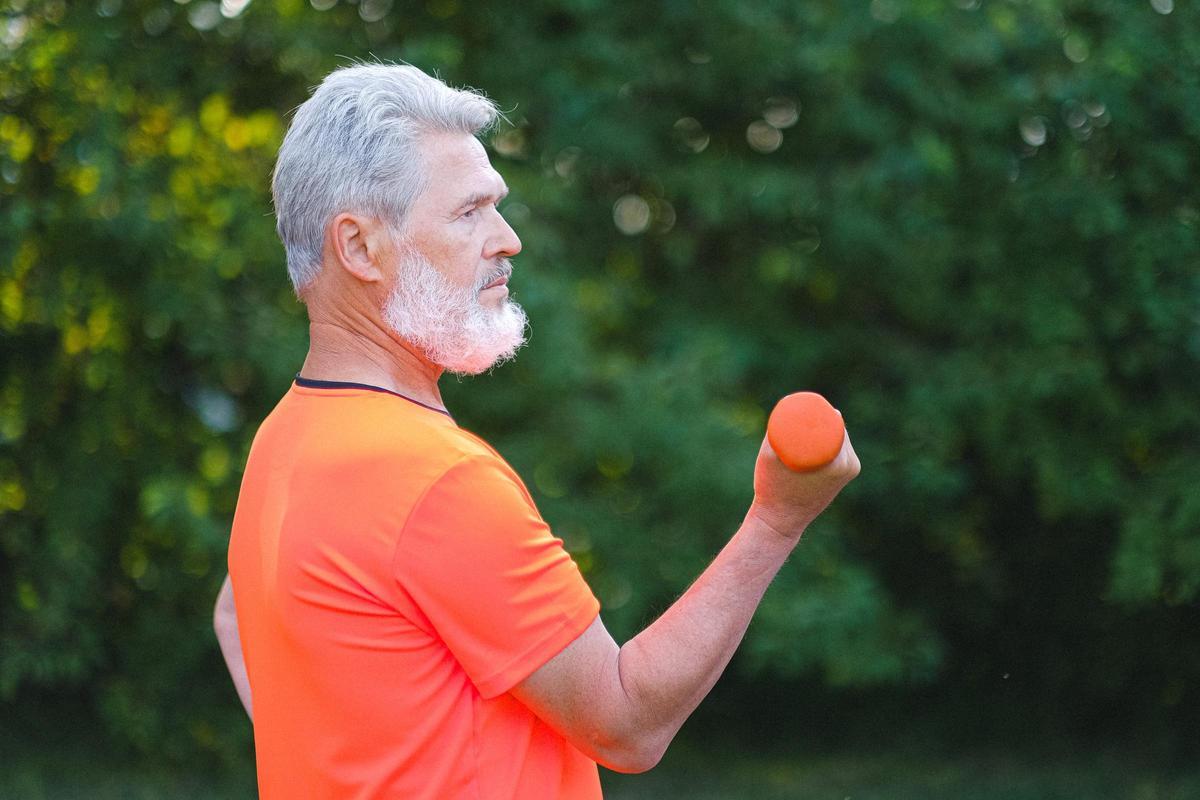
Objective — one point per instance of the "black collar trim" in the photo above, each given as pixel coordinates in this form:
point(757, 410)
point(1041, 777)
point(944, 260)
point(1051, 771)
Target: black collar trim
point(309, 383)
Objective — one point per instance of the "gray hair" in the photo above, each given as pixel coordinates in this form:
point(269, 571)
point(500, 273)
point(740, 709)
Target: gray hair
point(353, 146)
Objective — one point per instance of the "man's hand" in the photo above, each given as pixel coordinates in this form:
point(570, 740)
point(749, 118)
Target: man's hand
point(788, 501)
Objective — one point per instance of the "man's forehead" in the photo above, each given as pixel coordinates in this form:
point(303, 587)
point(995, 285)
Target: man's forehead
point(459, 168)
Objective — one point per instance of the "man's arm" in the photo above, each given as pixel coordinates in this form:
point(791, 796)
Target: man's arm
point(226, 626)
point(622, 706)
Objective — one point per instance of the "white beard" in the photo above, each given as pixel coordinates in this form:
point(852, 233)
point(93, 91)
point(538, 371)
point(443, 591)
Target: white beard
point(449, 324)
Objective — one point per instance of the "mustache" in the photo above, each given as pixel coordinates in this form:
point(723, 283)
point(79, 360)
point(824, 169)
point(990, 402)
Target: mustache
point(503, 269)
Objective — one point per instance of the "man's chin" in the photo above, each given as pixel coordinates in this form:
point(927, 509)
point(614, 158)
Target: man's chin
point(467, 343)
point(480, 362)
point(500, 347)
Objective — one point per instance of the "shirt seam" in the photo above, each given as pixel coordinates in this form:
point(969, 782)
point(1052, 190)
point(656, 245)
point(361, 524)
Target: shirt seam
point(590, 607)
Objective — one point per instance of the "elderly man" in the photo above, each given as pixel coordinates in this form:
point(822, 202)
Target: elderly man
point(410, 626)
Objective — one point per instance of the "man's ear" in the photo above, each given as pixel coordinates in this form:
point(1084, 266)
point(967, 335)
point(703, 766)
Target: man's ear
point(356, 246)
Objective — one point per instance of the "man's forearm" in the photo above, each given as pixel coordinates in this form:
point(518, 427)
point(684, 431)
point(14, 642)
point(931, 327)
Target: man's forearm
point(668, 668)
point(623, 705)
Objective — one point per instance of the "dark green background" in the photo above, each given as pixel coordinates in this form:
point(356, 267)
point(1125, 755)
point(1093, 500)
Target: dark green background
point(974, 225)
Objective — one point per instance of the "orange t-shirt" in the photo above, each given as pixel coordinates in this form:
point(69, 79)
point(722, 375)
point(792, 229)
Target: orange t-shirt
point(393, 580)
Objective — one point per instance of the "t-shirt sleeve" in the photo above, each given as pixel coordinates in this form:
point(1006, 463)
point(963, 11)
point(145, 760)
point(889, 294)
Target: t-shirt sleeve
point(495, 584)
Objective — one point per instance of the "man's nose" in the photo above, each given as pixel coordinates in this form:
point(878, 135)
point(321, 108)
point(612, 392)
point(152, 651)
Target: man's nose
point(505, 242)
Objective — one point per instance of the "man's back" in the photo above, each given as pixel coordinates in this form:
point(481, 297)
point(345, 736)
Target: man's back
point(393, 581)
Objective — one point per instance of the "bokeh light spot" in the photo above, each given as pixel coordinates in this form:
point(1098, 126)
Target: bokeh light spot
point(1075, 47)
point(232, 8)
point(13, 32)
point(374, 10)
point(631, 214)
point(664, 216)
point(156, 21)
point(1033, 131)
point(204, 16)
point(108, 8)
point(510, 143)
point(565, 161)
point(690, 134)
point(764, 138)
point(1074, 115)
point(781, 112)
point(810, 239)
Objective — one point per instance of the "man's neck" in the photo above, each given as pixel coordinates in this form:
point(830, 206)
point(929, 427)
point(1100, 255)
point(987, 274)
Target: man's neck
point(337, 353)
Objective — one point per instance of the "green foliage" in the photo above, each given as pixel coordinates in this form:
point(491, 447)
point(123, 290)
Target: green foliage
point(974, 225)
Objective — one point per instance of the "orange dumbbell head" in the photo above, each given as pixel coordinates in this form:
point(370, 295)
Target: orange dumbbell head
point(805, 431)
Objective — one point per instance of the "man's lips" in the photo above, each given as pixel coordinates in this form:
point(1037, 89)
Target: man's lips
point(501, 281)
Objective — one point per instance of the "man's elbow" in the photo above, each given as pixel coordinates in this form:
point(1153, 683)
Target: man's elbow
point(631, 752)
point(631, 763)
point(628, 737)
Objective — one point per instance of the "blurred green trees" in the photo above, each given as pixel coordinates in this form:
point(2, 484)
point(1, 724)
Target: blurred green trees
point(974, 225)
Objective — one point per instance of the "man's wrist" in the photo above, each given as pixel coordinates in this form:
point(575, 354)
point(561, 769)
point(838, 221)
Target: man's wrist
point(787, 527)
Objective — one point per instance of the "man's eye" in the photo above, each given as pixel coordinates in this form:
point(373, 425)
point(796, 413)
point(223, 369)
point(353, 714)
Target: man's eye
point(469, 213)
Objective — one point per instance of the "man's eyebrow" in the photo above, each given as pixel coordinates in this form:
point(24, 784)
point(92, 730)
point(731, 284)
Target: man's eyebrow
point(479, 198)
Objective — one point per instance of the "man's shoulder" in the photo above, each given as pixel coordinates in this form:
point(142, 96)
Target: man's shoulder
point(470, 467)
point(469, 456)
point(372, 427)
